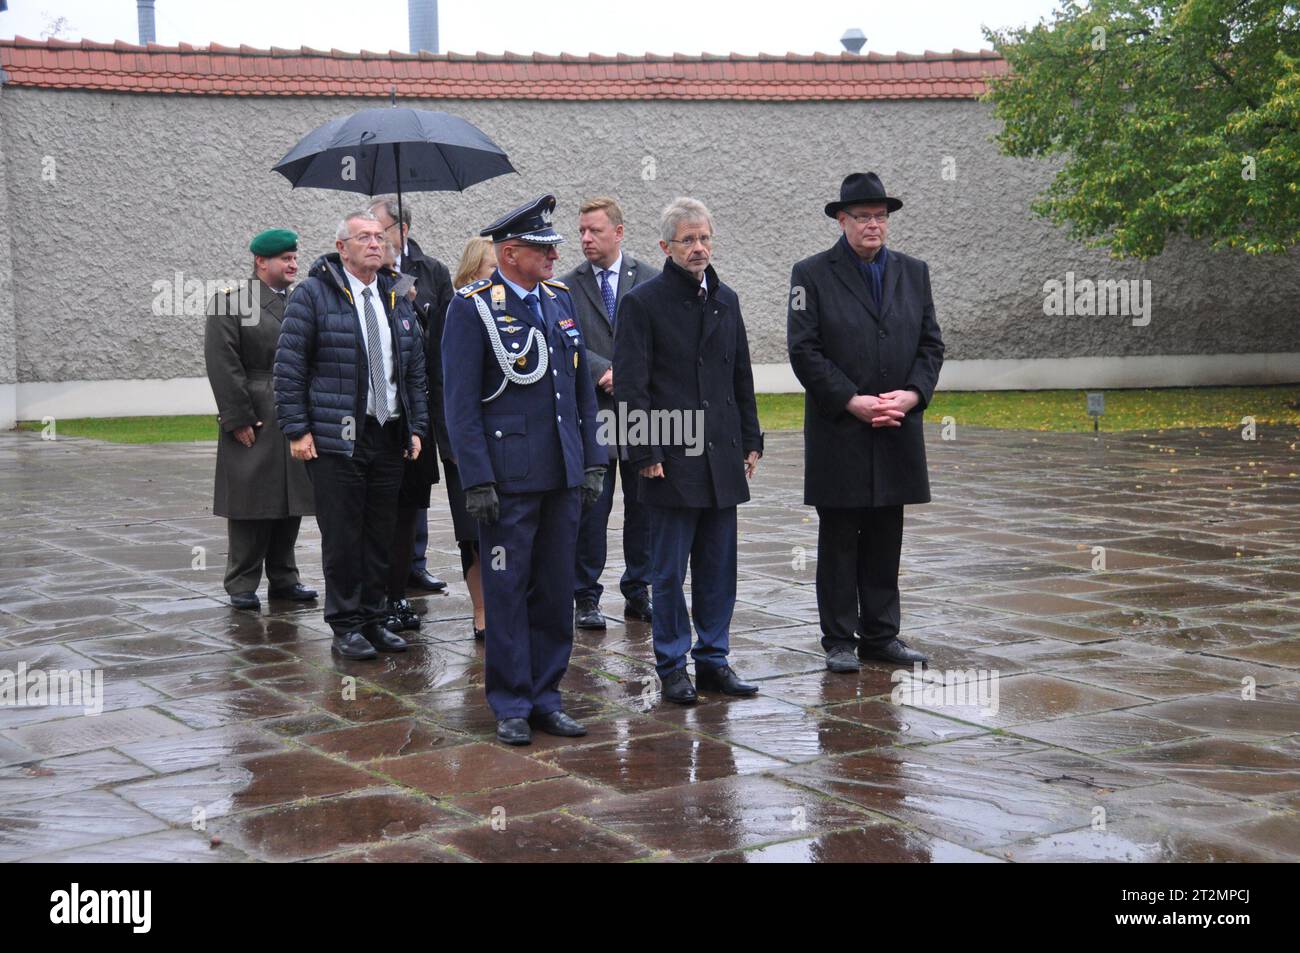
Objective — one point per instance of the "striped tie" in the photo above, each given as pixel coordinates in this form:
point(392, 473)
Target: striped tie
point(378, 382)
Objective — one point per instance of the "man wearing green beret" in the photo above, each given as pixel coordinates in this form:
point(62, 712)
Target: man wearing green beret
point(260, 489)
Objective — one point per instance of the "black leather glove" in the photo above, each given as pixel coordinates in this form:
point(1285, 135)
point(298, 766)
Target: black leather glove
point(483, 503)
point(593, 485)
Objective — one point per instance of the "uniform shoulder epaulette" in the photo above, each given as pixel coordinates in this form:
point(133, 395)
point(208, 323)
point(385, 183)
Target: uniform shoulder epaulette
point(555, 284)
point(474, 287)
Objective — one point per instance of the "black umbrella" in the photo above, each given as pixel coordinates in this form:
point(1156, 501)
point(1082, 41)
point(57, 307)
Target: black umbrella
point(391, 150)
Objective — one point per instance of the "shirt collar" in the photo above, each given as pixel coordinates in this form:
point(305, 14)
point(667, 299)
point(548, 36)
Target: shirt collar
point(615, 266)
point(522, 292)
point(356, 285)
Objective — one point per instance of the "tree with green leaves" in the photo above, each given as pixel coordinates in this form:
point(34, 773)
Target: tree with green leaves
point(1173, 117)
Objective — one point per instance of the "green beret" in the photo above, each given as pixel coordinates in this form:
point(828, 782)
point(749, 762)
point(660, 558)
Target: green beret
point(273, 241)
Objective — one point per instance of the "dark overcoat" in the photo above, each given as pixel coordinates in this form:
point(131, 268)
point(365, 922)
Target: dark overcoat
point(262, 481)
point(842, 344)
point(678, 352)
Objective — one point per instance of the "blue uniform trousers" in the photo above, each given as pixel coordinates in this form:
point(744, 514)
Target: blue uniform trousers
point(527, 557)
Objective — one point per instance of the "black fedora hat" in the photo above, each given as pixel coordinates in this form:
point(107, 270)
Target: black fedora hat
point(862, 188)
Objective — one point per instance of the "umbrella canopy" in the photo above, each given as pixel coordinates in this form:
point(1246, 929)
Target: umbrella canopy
point(394, 150)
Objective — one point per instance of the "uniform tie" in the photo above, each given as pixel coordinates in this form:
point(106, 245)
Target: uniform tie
point(378, 382)
point(607, 293)
point(535, 306)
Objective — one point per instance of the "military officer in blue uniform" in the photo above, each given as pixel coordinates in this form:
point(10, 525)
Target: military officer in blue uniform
point(521, 413)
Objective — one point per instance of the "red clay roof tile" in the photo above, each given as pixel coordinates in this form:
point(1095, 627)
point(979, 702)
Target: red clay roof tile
point(246, 71)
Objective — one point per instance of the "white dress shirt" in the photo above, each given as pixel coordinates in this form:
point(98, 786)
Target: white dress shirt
point(385, 339)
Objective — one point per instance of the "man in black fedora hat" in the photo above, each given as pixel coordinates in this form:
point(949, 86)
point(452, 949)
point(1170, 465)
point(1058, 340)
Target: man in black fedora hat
point(865, 344)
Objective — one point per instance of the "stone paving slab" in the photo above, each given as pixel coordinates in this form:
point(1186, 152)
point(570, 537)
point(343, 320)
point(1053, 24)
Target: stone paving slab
point(1136, 597)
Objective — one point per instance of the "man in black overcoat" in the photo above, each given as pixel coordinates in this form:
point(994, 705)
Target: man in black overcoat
point(682, 371)
point(865, 344)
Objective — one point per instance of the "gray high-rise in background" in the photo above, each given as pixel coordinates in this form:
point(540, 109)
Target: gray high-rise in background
point(144, 16)
point(422, 16)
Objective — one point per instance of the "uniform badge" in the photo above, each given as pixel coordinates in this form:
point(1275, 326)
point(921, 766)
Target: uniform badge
point(522, 361)
point(566, 323)
point(406, 324)
point(498, 297)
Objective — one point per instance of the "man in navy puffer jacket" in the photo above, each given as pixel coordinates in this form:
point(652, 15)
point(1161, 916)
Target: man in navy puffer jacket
point(350, 396)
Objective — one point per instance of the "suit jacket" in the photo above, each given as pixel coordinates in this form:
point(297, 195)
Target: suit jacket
point(597, 328)
point(433, 293)
point(262, 481)
point(679, 353)
point(528, 438)
point(842, 344)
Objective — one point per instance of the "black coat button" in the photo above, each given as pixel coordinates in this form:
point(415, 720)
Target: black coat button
point(704, 404)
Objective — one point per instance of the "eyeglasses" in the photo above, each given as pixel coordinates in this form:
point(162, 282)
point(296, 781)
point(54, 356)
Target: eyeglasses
point(690, 240)
point(368, 238)
point(865, 218)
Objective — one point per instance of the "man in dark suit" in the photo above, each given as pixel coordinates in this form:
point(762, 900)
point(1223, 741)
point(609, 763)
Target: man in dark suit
point(865, 344)
point(260, 489)
point(350, 396)
point(681, 366)
point(521, 410)
point(598, 285)
point(432, 295)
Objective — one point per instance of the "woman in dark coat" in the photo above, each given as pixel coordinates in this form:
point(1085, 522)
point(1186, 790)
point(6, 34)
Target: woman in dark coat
point(477, 261)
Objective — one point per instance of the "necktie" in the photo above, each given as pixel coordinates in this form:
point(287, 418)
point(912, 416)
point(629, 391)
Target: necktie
point(375, 353)
point(607, 293)
point(535, 306)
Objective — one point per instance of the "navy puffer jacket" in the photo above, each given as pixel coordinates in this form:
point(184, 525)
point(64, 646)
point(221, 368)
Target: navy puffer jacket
point(321, 371)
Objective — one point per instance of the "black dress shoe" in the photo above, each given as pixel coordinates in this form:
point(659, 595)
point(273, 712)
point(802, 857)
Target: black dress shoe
point(480, 634)
point(722, 679)
point(514, 731)
point(677, 688)
point(382, 638)
point(842, 659)
point(419, 579)
point(354, 645)
point(558, 723)
point(639, 610)
point(587, 616)
point(246, 600)
point(895, 650)
point(402, 616)
point(299, 593)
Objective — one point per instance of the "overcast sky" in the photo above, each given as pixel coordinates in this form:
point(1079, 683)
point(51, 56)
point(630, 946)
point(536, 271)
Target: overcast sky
point(545, 26)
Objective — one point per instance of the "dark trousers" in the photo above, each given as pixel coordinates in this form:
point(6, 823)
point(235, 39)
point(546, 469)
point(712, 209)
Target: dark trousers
point(706, 540)
point(420, 552)
point(254, 543)
point(400, 560)
point(527, 565)
point(592, 539)
point(857, 574)
point(356, 509)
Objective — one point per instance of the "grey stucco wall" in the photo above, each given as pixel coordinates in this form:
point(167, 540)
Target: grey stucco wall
point(8, 331)
point(148, 186)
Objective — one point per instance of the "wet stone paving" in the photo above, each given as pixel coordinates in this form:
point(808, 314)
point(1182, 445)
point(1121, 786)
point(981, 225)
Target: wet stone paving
point(1113, 625)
